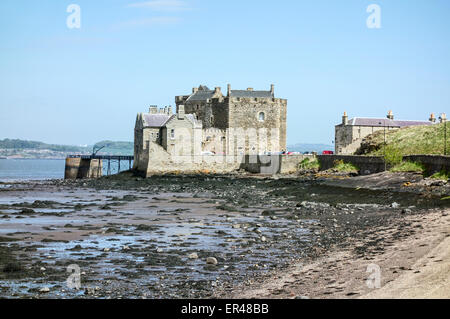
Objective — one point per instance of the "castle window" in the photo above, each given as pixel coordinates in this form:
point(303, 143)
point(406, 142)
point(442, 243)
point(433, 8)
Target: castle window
point(261, 116)
point(172, 133)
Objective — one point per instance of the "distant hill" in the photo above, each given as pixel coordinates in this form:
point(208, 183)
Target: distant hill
point(15, 148)
point(303, 147)
point(22, 144)
point(116, 148)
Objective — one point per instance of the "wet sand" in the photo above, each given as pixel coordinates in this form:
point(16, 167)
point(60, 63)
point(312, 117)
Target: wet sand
point(271, 238)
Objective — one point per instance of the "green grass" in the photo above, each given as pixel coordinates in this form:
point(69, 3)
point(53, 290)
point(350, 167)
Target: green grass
point(340, 166)
point(410, 140)
point(442, 175)
point(309, 164)
point(408, 167)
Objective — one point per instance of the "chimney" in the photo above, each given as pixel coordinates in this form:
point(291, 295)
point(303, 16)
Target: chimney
point(345, 119)
point(194, 90)
point(390, 115)
point(272, 89)
point(432, 118)
point(228, 90)
point(169, 110)
point(217, 90)
point(180, 112)
point(443, 118)
point(153, 109)
point(166, 110)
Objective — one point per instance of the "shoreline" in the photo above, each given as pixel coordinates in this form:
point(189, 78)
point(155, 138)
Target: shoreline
point(416, 266)
point(122, 229)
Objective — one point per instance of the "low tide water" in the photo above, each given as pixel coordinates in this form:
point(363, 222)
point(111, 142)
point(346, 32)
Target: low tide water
point(30, 169)
point(41, 169)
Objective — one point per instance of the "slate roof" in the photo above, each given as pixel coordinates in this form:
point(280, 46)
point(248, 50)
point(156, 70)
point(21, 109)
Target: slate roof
point(251, 94)
point(201, 95)
point(382, 122)
point(155, 120)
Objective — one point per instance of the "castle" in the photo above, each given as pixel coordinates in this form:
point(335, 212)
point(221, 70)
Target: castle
point(350, 133)
point(206, 123)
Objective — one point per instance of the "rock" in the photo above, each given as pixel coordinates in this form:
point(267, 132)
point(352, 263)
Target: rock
point(395, 205)
point(126, 248)
point(106, 250)
point(193, 256)
point(406, 211)
point(44, 290)
point(89, 291)
point(159, 250)
point(42, 268)
point(263, 239)
point(236, 226)
point(211, 261)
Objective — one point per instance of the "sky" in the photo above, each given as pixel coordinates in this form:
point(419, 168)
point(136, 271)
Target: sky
point(82, 85)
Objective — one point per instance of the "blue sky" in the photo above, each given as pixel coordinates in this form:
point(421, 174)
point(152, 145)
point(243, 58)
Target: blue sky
point(79, 86)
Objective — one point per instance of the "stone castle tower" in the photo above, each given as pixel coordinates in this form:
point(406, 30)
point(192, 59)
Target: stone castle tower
point(238, 110)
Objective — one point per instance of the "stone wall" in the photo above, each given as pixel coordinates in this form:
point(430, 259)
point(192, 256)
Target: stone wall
point(366, 164)
point(214, 140)
point(432, 163)
point(244, 114)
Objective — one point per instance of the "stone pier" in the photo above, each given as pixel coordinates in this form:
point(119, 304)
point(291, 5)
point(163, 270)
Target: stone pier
point(78, 168)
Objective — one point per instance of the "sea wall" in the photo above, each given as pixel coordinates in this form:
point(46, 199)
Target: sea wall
point(375, 164)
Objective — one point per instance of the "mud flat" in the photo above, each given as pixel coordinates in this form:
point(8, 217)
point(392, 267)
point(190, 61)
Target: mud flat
point(204, 236)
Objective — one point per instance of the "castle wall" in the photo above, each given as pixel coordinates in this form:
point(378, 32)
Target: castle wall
point(214, 140)
point(180, 138)
point(244, 114)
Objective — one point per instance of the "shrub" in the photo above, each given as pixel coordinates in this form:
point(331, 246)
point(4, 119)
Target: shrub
point(340, 166)
point(442, 175)
point(308, 164)
point(393, 156)
point(408, 167)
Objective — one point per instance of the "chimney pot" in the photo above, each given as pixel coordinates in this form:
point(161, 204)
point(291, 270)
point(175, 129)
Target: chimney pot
point(432, 118)
point(390, 115)
point(345, 119)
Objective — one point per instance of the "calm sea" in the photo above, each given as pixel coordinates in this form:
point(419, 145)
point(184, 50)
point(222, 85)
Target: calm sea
point(32, 169)
point(39, 169)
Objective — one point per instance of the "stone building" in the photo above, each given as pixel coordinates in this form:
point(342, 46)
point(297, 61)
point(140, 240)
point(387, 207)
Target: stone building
point(237, 111)
point(206, 122)
point(350, 133)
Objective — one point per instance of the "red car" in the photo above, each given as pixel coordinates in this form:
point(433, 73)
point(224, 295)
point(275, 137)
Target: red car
point(327, 153)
